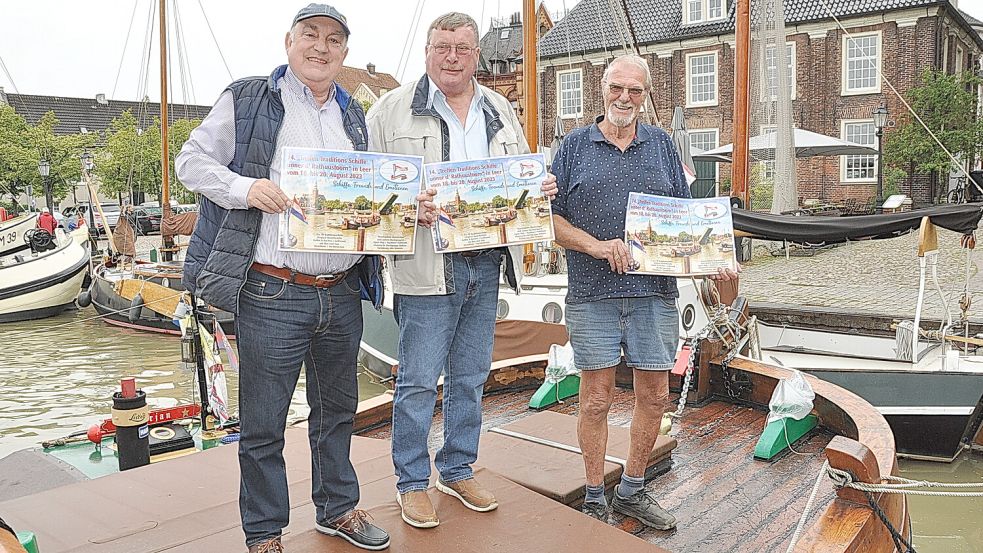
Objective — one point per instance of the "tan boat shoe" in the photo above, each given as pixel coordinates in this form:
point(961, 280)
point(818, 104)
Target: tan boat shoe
point(474, 496)
point(417, 509)
point(272, 545)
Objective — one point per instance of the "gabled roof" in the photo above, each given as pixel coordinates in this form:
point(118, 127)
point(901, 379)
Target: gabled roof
point(76, 113)
point(496, 48)
point(350, 77)
point(590, 25)
point(971, 20)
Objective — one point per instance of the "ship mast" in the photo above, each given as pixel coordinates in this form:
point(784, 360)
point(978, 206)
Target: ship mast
point(165, 201)
point(529, 91)
point(739, 166)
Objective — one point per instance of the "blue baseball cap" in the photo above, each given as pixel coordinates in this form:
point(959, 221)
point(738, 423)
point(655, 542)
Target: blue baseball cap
point(322, 10)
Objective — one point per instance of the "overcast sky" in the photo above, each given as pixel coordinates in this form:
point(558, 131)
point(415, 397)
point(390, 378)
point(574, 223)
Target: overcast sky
point(74, 47)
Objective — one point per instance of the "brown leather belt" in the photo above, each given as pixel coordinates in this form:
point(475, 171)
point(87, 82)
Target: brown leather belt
point(289, 275)
point(471, 253)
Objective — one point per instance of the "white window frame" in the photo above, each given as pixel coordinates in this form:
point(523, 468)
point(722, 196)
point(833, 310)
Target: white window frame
point(764, 77)
point(959, 61)
point(716, 80)
point(559, 94)
point(504, 33)
point(845, 43)
point(716, 144)
point(767, 165)
point(704, 15)
point(843, 159)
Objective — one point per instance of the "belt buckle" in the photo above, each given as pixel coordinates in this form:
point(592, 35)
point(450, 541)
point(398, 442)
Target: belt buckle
point(324, 281)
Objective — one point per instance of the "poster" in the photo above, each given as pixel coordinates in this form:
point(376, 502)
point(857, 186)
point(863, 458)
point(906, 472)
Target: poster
point(679, 236)
point(349, 202)
point(488, 203)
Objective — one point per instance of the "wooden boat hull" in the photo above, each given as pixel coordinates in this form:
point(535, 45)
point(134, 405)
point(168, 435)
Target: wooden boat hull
point(115, 308)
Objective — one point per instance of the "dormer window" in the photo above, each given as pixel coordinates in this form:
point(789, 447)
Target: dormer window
point(703, 11)
point(504, 34)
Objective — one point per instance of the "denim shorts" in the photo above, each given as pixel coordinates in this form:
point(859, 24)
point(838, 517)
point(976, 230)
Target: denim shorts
point(645, 329)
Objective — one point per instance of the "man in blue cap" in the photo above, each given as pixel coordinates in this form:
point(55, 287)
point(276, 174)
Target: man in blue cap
point(292, 308)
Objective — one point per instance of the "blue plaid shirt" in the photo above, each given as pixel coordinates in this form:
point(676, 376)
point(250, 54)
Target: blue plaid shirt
point(594, 178)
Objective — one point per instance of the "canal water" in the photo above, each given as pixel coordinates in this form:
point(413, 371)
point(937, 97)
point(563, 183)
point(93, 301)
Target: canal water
point(57, 375)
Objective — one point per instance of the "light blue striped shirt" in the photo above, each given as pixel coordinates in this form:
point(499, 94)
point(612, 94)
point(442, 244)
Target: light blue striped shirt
point(202, 166)
point(468, 140)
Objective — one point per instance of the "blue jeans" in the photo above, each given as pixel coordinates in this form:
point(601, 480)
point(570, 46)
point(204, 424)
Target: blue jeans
point(279, 327)
point(453, 334)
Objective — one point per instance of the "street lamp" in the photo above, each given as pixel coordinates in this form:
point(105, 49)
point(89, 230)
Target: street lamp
point(880, 119)
point(44, 168)
point(87, 167)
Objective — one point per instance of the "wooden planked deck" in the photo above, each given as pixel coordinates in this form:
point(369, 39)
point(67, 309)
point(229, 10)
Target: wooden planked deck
point(723, 499)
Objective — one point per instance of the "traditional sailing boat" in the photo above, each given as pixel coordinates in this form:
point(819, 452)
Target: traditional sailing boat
point(142, 295)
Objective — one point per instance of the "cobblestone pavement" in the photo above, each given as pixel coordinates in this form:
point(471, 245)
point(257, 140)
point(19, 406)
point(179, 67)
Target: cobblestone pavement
point(879, 277)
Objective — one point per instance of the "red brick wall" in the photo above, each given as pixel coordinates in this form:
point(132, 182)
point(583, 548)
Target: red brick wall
point(818, 107)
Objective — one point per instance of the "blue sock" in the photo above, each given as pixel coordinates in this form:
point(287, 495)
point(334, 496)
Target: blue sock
point(595, 494)
point(629, 485)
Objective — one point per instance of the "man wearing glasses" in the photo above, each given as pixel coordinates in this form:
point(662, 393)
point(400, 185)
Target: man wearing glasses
point(445, 303)
point(292, 308)
point(609, 311)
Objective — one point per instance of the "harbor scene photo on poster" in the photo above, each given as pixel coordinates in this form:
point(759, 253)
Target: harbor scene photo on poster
point(679, 236)
point(349, 202)
point(491, 202)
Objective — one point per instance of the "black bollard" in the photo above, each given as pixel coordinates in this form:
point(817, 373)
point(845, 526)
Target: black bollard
point(130, 415)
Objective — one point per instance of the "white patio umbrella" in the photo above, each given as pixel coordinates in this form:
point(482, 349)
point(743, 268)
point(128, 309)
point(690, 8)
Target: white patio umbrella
point(680, 137)
point(557, 138)
point(807, 144)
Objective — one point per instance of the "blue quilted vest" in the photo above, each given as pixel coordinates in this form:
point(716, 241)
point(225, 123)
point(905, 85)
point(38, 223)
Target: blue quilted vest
point(224, 241)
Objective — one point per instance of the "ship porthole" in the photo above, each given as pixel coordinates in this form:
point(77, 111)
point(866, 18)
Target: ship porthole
point(552, 313)
point(689, 316)
point(502, 310)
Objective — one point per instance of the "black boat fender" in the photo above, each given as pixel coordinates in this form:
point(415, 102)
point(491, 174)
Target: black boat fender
point(136, 306)
point(85, 298)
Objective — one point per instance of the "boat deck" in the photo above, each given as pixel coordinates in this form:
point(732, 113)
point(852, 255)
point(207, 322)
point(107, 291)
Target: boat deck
point(724, 500)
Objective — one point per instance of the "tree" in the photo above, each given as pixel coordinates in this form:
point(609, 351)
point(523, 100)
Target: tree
point(499, 201)
point(947, 106)
point(361, 202)
point(130, 160)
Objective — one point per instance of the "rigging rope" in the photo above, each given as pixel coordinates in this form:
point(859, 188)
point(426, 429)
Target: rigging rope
point(215, 40)
point(126, 42)
point(404, 58)
point(808, 508)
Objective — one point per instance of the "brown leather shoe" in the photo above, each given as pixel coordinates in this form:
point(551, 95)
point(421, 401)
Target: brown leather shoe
point(474, 496)
point(417, 509)
point(271, 545)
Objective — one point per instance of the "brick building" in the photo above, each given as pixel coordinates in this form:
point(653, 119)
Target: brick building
point(500, 66)
point(691, 55)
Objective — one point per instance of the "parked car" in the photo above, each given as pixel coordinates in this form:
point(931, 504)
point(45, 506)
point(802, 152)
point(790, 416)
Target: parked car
point(112, 212)
point(148, 219)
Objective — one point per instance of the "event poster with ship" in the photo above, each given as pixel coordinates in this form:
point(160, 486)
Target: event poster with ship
point(678, 236)
point(487, 203)
point(349, 202)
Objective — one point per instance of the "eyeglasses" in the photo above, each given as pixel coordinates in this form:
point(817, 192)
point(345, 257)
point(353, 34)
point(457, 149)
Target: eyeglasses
point(460, 49)
point(617, 89)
